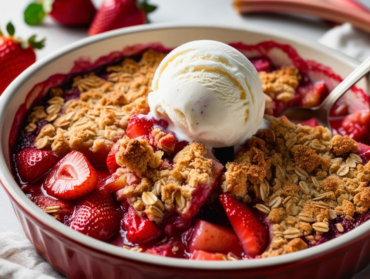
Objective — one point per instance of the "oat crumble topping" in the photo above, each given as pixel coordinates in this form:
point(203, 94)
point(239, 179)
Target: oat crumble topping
point(280, 84)
point(99, 117)
point(314, 178)
point(167, 186)
point(300, 177)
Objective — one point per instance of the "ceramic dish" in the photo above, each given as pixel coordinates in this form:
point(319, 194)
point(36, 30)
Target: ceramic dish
point(79, 256)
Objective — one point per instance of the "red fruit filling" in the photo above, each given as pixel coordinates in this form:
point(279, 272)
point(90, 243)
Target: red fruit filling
point(213, 238)
point(139, 229)
point(97, 203)
point(205, 256)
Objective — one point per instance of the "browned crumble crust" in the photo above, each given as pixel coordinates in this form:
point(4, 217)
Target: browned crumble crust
point(163, 186)
point(138, 156)
point(280, 85)
point(342, 145)
point(313, 178)
point(100, 116)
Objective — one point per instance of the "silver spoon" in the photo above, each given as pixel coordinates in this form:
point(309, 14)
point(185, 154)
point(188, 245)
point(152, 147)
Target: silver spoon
point(321, 112)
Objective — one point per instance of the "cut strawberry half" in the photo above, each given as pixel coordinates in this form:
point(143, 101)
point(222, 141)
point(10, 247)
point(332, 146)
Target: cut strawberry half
point(111, 159)
point(205, 256)
point(71, 178)
point(139, 229)
point(213, 238)
point(252, 234)
point(96, 216)
point(32, 163)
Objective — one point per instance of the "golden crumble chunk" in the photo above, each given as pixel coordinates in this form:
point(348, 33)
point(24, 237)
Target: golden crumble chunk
point(295, 245)
point(137, 155)
point(236, 179)
point(363, 198)
point(342, 145)
point(306, 158)
point(280, 84)
point(331, 184)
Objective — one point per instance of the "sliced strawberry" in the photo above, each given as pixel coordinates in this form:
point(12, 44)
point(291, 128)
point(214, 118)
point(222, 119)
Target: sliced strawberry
point(71, 178)
point(96, 216)
point(32, 163)
point(313, 94)
point(139, 229)
point(205, 256)
point(213, 238)
point(252, 234)
point(111, 159)
point(119, 180)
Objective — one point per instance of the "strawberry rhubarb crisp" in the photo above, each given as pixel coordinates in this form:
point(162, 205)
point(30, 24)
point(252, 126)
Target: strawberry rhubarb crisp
point(133, 155)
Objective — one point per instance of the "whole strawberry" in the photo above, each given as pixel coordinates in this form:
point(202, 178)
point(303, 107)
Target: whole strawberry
point(32, 164)
point(96, 216)
point(15, 55)
point(66, 12)
point(115, 14)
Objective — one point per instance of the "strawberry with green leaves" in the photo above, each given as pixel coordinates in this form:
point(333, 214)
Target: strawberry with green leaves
point(115, 14)
point(15, 55)
point(65, 12)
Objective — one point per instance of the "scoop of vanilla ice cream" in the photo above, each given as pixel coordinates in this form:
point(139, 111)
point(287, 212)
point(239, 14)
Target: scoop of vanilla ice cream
point(209, 92)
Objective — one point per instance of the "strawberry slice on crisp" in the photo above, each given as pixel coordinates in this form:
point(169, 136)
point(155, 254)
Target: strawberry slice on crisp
point(32, 163)
point(213, 238)
point(252, 234)
point(139, 229)
point(71, 178)
point(96, 216)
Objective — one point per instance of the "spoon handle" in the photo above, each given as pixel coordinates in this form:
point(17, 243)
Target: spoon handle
point(346, 84)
